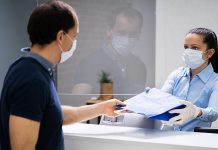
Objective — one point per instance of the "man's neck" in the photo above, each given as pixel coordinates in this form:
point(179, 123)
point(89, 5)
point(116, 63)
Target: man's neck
point(49, 52)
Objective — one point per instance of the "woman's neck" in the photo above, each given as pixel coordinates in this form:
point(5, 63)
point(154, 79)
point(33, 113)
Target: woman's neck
point(198, 70)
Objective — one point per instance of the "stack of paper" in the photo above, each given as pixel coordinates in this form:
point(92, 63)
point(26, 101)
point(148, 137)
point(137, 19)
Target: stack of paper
point(153, 103)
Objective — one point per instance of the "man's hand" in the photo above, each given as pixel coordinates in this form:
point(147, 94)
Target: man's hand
point(189, 112)
point(108, 107)
point(83, 113)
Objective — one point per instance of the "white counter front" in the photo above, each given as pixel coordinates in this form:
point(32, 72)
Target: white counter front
point(99, 137)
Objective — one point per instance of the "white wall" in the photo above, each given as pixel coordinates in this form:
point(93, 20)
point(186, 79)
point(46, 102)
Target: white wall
point(173, 20)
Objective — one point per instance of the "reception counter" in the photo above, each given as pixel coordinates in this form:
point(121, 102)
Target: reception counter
point(101, 137)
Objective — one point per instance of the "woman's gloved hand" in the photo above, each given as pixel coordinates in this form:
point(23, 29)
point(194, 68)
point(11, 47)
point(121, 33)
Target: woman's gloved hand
point(189, 112)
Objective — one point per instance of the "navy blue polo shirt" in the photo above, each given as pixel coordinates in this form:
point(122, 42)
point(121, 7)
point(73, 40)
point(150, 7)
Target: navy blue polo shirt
point(29, 92)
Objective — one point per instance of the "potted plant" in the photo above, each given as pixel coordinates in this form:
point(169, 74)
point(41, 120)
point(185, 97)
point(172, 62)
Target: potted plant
point(106, 86)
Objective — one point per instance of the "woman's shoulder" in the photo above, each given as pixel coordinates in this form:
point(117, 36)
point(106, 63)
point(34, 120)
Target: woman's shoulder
point(213, 81)
point(180, 71)
point(214, 77)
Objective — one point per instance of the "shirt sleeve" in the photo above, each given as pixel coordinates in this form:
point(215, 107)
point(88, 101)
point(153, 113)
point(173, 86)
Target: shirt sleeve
point(29, 100)
point(170, 82)
point(210, 113)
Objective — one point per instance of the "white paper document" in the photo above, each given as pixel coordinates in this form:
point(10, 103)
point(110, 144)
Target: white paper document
point(151, 103)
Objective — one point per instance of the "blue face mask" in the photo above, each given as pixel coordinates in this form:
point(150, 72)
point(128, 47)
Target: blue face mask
point(122, 44)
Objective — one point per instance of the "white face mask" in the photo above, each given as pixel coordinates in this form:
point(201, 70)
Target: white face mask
point(123, 44)
point(193, 58)
point(66, 55)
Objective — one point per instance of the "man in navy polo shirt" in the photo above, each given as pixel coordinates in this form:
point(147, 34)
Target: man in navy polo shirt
point(31, 116)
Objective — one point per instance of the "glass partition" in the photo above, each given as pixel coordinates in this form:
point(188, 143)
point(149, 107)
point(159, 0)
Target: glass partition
point(117, 37)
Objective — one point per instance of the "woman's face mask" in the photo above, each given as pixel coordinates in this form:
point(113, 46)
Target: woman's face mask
point(123, 44)
point(66, 55)
point(193, 58)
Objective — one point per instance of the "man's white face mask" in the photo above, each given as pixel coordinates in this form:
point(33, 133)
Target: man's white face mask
point(193, 58)
point(123, 44)
point(66, 55)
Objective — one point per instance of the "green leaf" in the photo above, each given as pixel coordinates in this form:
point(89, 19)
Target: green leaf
point(104, 77)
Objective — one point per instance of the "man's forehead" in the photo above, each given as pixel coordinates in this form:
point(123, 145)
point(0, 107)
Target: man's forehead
point(126, 24)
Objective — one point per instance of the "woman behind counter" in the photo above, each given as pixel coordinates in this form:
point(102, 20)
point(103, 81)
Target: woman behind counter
point(196, 84)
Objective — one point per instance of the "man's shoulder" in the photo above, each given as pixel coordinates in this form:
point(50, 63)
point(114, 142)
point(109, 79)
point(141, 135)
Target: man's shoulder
point(24, 69)
point(96, 56)
point(98, 53)
point(24, 62)
point(135, 59)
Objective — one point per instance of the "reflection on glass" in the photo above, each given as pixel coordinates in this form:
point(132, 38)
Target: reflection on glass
point(113, 51)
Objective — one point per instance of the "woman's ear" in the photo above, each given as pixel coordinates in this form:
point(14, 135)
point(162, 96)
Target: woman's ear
point(210, 53)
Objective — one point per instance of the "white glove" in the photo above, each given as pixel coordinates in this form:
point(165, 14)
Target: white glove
point(189, 112)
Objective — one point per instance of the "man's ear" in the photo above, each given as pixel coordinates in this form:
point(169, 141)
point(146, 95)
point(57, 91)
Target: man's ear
point(109, 32)
point(59, 36)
